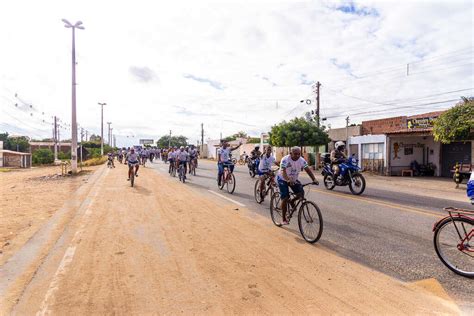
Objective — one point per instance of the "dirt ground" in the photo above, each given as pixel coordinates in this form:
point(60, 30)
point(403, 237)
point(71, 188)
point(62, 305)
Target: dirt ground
point(163, 247)
point(28, 198)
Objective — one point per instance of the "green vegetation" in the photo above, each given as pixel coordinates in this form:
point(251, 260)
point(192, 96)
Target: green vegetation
point(20, 143)
point(95, 161)
point(297, 132)
point(42, 157)
point(175, 141)
point(456, 124)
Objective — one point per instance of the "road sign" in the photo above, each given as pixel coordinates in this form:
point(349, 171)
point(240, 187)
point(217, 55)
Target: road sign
point(146, 141)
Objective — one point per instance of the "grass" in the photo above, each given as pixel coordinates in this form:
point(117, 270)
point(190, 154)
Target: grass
point(5, 169)
point(95, 161)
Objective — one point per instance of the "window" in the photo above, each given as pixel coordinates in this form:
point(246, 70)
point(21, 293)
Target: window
point(373, 151)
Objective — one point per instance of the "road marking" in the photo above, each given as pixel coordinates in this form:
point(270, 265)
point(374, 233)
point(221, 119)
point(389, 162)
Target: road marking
point(225, 197)
point(392, 205)
point(69, 254)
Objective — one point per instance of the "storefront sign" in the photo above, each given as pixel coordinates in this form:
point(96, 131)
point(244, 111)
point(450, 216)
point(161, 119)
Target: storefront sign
point(426, 122)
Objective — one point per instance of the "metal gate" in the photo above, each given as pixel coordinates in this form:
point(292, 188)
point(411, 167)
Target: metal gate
point(453, 153)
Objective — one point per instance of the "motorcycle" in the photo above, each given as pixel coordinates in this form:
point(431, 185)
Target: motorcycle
point(253, 165)
point(349, 174)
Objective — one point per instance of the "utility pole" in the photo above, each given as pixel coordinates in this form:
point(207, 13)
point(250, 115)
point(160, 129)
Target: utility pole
point(59, 137)
point(102, 127)
point(55, 138)
point(347, 134)
point(202, 138)
point(115, 142)
point(86, 134)
point(111, 137)
point(78, 25)
point(108, 139)
point(318, 84)
point(82, 135)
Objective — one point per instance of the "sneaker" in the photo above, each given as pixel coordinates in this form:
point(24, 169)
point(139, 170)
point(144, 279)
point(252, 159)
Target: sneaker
point(136, 174)
point(128, 179)
point(285, 223)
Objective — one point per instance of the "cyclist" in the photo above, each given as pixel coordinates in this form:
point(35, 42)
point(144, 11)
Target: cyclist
point(265, 168)
point(171, 157)
point(337, 156)
point(110, 158)
point(223, 158)
point(470, 188)
point(144, 155)
point(192, 157)
point(290, 167)
point(182, 159)
point(132, 160)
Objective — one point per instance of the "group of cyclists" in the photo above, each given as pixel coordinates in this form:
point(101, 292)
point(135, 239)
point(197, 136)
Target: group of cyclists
point(185, 156)
point(134, 157)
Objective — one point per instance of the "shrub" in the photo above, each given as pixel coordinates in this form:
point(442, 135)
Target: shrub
point(42, 156)
point(64, 156)
point(95, 161)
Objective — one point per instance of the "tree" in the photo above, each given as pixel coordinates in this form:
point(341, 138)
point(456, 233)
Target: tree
point(456, 124)
point(177, 141)
point(20, 143)
point(42, 156)
point(298, 132)
point(94, 138)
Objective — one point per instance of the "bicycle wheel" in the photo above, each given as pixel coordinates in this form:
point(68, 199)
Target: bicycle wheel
point(173, 172)
point(230, 185)
point(275, 209)
point(310, 221)
point(257, 192)
point(447, 244)
point(183, 174)
point(132, 178)
point(221, 186)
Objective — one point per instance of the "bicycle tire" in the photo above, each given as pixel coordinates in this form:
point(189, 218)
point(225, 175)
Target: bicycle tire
point(256, 192)
point(436, 241)
point(310, 218)
point(230, 185)
point(132, 178)
point(221, 186)
point(275, 210)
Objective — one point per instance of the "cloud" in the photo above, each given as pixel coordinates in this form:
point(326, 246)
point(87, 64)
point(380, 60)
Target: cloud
point(351, 8)
point(143, 74)
point(215, 84)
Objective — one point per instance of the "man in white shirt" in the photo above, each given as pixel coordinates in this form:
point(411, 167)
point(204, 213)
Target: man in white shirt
point(223, 158)
point(265, 167)
point(182, 158)
point(290, 167)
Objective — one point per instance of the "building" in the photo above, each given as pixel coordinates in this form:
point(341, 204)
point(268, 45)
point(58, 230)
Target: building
point(392, 145)
point(62, 147)
point(14, 159)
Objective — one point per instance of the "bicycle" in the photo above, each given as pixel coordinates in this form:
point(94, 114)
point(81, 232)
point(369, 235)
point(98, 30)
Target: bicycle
point(192, 167)
point(109, 164)
point(182, 173)
point(227, 179)
point(309, 215)
point(454, 241)
point(270, 187)
point(131, 171)
point(172, 169)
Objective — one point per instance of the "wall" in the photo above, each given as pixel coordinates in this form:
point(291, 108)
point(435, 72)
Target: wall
point(336, 134)
point(383, 126)
point(1, 154)
point(403, 161)
point(366, 139)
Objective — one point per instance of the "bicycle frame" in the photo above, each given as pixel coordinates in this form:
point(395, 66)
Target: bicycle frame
point(460, 214)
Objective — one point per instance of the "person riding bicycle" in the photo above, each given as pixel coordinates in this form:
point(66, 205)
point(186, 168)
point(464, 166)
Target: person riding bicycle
point(337, 156)
point(110, 159)
point(265, 168)
point(171, 158)
point(192, 156)
point(223, 159)
point(182, 159)
point(470, 188)
point(132, 160)
point(290, 167)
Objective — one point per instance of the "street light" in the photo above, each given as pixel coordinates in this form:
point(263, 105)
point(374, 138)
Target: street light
point(102, 127)
point(78, 25)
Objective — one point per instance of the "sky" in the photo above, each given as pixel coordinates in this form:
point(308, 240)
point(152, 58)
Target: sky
point(230, 65)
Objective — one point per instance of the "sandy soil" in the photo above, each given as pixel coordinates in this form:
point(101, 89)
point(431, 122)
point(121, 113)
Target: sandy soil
point(164, 248)
point(28, 198)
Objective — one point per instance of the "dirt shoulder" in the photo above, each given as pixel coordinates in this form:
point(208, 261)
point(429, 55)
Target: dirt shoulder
point(29, 197)
point(165, 248)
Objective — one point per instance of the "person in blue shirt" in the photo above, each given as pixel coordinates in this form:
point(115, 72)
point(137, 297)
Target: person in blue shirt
point(470, 188)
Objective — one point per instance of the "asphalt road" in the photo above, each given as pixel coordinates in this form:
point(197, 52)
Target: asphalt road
point(385, 230)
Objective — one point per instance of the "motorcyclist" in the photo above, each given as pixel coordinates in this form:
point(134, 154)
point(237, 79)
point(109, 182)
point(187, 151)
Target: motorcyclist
point(255, 155)
point(337, 157)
